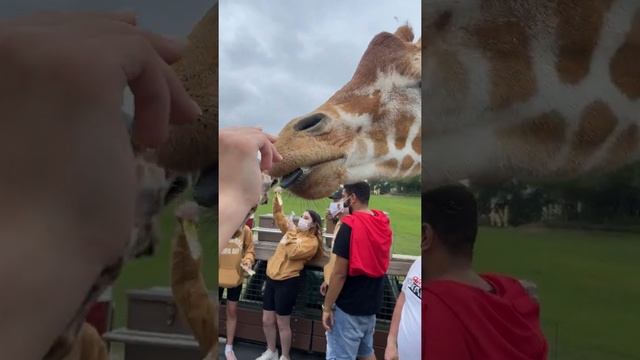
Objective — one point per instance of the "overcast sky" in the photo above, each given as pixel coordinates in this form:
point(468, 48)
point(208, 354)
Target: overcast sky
point(168, 17)
point(282, 58)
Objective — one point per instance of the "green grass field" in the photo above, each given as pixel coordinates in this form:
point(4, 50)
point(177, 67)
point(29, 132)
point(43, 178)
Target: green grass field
point(589, 282)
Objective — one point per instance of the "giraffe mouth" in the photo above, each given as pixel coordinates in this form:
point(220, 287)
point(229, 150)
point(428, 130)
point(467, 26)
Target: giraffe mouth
point(294, 177)
point(298, 177)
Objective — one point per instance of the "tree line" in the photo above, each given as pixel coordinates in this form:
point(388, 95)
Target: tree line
point(598, 199)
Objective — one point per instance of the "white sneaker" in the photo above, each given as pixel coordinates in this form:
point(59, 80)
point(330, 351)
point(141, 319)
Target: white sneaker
point(230, 355)
point(269, 355)
point(284, 358)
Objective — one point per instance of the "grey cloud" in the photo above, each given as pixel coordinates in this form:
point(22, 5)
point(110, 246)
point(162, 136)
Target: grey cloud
point(281, 59)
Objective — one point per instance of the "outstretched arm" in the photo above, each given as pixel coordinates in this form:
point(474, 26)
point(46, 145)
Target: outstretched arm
point(249, 252)
point(278, 214)
point(391, 352)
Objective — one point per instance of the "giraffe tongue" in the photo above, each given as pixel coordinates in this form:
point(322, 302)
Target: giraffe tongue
point(291, 178)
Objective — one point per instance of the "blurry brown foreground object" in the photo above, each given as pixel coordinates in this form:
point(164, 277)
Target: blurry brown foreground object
point(187, 284)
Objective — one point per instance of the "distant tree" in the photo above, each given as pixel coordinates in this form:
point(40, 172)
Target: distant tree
point(405, 186)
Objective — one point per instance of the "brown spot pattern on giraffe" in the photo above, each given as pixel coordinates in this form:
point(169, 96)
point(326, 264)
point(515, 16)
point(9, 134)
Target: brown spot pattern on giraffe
point(391, 163)
point(417, 144)
point(627, 143)
point(506, 43)
point(536, 141)
point(597, 122)
point(578, 28)
point(407, 163)
point(379, 137)
point(625, 72)
point(363, 104)
point(402, 127)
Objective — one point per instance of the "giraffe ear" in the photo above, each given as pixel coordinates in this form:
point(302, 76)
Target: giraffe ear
point(405, 32)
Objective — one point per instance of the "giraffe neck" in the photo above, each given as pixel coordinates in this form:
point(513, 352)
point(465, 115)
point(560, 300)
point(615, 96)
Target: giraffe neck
point(392, 148)
point(531, 89)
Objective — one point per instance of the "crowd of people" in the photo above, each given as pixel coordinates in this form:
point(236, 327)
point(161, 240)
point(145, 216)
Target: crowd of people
point(352, 286)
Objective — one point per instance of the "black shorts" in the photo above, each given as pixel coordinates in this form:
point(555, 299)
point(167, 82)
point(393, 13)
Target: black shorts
point(280, 295)
point(233, 294)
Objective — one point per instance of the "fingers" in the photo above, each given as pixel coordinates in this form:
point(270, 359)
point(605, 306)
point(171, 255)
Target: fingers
point(183, 109)
point(259, 140)
point(158, 94)
point(266, 159)
point(269, 155)
point(147, 79)
point(271, 138)
point(268, 152)
point(326, 323)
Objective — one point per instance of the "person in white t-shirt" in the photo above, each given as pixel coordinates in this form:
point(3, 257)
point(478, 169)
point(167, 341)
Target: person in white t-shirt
point(402, 342)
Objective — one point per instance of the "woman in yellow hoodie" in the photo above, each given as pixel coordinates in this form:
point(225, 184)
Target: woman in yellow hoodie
point(239, 254)
point(299, 245)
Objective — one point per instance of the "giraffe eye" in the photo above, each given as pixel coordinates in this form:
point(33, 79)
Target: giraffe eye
point(313, 123)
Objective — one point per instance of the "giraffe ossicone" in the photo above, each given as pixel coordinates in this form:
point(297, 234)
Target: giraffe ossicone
point(369, 129)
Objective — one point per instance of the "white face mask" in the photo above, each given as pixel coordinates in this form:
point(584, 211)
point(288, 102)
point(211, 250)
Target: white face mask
point(335, 208)
point(304, 224)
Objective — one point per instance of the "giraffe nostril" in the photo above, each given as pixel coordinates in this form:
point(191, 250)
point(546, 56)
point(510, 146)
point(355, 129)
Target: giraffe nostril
point(312, 122)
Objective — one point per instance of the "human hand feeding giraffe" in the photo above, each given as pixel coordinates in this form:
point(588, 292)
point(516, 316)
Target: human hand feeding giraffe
point(242, 182)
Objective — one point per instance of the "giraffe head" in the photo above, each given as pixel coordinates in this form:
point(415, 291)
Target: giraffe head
point(369, 129)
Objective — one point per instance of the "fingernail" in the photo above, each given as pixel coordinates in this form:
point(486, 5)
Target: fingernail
point(197, 108)
point(129, 13)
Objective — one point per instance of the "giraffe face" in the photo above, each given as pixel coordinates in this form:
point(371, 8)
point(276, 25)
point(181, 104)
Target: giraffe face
point(369, 129)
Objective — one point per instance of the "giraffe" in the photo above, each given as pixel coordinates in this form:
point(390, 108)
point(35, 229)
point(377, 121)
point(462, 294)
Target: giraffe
point(369, 129)
point(536, 90)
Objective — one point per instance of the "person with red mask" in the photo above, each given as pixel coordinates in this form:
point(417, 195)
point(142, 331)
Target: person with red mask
point(466, 315)
point(354, 296)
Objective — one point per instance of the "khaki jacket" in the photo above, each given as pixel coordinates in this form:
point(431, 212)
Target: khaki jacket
point(294, 250)
point(237, 251)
